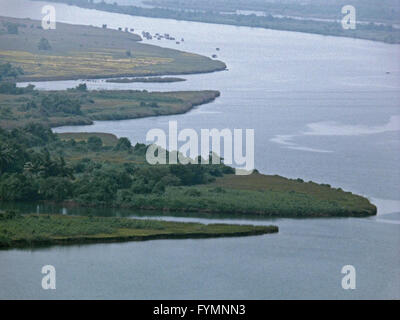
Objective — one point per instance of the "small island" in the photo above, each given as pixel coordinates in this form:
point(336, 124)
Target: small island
point(146, 80)
point(45, 230)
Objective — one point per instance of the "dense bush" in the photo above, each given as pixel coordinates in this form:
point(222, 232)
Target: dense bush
point(81, 87)
point(9, 71)
point(55, 188)
point(42, 173)
point(44, 44)
point(11, 88)
point(17, 187)
point(53, 103)
point(101, 185)
point(95, 143)
point(24, 172)
point(123, 144)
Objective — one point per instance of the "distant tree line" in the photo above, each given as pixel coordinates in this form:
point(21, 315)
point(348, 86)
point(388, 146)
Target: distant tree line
point(378, 32)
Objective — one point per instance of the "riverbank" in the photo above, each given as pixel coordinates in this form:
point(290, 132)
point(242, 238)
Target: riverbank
point(98, 76)
point(115, 174)
point(375, 32)
point(46, 230)
point(222, 192)
point(81, 107)
point(256, 195)
point(146, 80)
point(73, 52)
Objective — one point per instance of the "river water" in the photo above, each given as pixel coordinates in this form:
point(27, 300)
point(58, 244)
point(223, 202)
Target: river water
point(323, 108)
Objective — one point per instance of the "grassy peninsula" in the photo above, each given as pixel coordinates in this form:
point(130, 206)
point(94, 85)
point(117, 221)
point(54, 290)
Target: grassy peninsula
point(45, 230)
point(81, 52)
point(81, 169)
point(20, 106)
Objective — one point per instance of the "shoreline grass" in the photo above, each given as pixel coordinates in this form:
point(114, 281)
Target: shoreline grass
point(209, 14)
point(45, 230)
point(19, 109)
point(146, 80)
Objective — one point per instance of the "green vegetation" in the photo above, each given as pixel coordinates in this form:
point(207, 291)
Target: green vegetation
point(36, 164)
point(44, 44)
point(101, 170)
point(11, 28)
point(107, 139)
point(294, 195)
point(367, 10)
point(146, 80)
point(21, 106)
point(76, 52)
point(9, 72)
point(41, 230)
point(210, 14)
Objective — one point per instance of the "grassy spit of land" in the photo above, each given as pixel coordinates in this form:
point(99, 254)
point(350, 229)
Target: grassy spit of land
point(81, 52)
point(44, 230)
point(79, 106)
point(209, 13)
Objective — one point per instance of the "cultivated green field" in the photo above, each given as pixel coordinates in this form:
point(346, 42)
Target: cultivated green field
point(79, 52)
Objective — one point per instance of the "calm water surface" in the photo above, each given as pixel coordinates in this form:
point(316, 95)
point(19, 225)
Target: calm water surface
point(323, 108)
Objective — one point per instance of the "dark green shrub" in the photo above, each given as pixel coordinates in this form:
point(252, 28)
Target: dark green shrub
point(95, 143)
point(44, 44)
point(123, 144)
